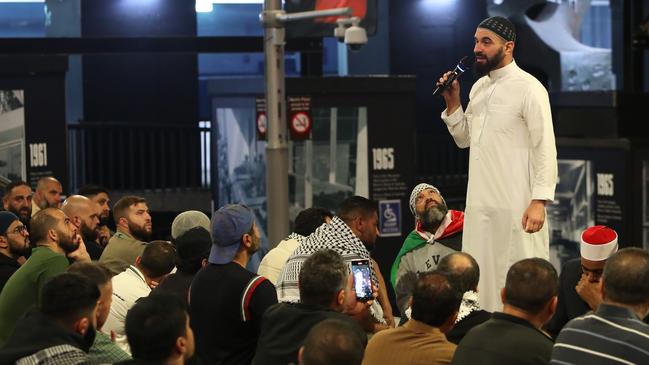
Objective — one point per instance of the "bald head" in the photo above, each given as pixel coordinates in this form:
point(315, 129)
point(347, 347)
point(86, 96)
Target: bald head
point(48, 193)
point(84, 213)
point(464, 268)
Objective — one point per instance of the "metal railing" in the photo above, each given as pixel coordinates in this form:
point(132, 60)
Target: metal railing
point(128, 156)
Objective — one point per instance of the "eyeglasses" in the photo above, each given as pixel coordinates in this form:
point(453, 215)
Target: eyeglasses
point(19, 229)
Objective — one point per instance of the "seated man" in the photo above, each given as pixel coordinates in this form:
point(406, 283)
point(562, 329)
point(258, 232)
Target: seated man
point(579, 288)
point(158, 331)
point(192, 247)
point(306, 223)
point(224, 295)
point(62, 330)
point(614, 332)
point(514, 335)
point(332, 342)
point(156, 262)
point(466, 275)
point(103, 350)
point(326, 291)
point(438, 232)
point(435, 303)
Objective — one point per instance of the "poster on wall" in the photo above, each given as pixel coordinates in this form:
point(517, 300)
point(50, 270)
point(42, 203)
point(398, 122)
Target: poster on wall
point(12, 136)
point(591, 190)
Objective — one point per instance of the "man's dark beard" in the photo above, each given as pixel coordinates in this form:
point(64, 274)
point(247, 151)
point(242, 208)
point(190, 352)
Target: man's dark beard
point(25, 251)
point(480, 70)
point(433, 217)
point(139, 233)
point(66, 242)
point(88, 234)
point(23, 214)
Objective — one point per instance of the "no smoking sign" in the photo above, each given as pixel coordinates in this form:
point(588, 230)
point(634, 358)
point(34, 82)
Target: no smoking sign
point(300, 122)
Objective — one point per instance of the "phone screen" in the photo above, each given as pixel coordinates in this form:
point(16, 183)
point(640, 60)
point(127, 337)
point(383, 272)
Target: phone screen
point(362, 279)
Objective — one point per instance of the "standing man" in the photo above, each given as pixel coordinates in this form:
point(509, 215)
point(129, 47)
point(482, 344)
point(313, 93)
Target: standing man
point(47, 195)
point(14, 245)
point(18, 200)
point(134, 229)
point(513, 157)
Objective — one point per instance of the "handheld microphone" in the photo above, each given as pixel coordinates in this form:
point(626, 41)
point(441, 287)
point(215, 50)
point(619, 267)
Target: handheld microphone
point(457, 72)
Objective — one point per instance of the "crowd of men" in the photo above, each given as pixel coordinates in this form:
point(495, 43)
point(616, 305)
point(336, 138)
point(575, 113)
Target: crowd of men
point(70, 294)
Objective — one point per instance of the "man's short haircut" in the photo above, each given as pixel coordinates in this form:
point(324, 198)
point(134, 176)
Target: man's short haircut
point(96, 272)
point(154, 324)
point(531, 284)
point(13, 185)
point(356, 206)
point(465, 277)
point(333, 342)
point(435, 298)
point(41, 223)
point(68, 297)
point(158, 258)
point(308, 220)
point(626, 276)
point(192, 246)
point(120, 209)
point(91, 190)
point(322, 275)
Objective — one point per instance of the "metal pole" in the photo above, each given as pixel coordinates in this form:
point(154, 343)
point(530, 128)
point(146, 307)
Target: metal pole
point(277, 148)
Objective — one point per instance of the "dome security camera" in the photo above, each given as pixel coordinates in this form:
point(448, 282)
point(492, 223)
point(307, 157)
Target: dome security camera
point(349, 32)
point(355, 37)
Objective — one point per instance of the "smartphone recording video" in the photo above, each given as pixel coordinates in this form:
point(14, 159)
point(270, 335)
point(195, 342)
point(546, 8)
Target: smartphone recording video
point(362, 279)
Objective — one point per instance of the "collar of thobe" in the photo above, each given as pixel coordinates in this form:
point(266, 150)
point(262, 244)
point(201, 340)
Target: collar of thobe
point(498, 74)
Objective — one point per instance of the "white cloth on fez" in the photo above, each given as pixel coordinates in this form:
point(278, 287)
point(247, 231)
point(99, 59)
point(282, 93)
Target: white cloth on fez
point(598, 243)
point(513, 160)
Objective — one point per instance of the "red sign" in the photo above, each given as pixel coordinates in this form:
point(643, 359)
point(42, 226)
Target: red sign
point(262, 120)
point(300, 121)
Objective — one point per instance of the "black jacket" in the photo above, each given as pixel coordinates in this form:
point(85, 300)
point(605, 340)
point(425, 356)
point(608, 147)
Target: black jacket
point(35, 332)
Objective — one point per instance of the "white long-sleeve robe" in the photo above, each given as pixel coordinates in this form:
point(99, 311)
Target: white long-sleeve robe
point(513, 160)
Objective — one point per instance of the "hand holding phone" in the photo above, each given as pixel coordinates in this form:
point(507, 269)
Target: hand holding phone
point(361, 272)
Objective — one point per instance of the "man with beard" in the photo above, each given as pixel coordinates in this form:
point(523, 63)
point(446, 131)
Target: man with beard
point(513, 157)
point(56, 240)
point(62, 330)
point(437, 233)
point(47, 195)
point(226, 300)
point(99, 195)
point(18, 200)
point(14, 245)
point(84, 214)
point(133, 231)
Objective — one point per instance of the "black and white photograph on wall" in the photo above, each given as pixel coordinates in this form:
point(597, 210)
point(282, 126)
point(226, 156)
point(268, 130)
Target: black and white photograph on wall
point(12, 136)
point(573, 209)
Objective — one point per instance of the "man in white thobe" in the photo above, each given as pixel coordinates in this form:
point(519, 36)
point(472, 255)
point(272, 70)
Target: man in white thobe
point(513, 158)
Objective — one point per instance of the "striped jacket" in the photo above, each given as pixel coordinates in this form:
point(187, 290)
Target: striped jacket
point(610, 335)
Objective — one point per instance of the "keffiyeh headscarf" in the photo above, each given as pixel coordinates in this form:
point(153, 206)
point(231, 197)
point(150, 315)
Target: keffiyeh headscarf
point(415, 192)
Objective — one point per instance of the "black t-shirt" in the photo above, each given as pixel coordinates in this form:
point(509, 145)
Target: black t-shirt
point(284, 328)
point(217, 317)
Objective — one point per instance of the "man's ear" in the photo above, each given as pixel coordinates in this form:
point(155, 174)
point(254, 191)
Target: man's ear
point(52, 235)
point(181, 345)
point(81, 326)
point(340, 297)
point(503, 296)
point(246, 240)
point(300, 354)
point(204, 262)
point(138, 260)
point(4, 243)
